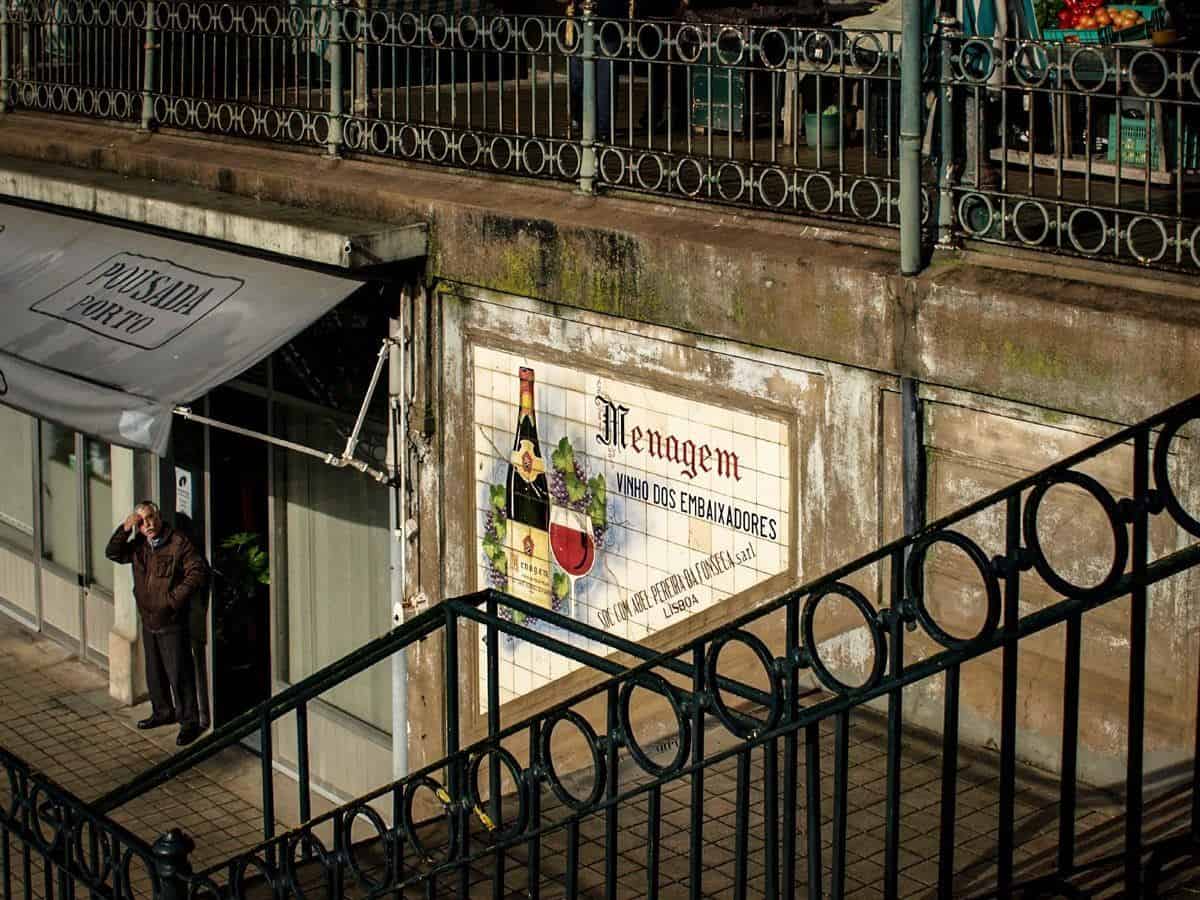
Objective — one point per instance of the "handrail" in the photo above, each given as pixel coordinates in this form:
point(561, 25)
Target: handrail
point(457, 797)
point(434, 619)
point(785, 721)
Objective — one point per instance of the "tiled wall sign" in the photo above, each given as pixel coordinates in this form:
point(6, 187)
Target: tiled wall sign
point(624, 507)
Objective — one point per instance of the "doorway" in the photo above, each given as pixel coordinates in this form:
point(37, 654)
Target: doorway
point(240, 556)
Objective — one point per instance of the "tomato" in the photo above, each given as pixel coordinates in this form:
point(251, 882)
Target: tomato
point(1066, 18)
point(1086, 21)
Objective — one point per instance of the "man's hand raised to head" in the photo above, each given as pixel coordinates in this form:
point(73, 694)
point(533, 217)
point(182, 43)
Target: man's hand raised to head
point(131, 521)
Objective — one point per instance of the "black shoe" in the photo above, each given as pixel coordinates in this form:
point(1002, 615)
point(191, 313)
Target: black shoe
point(187, 734)
point(155, 722)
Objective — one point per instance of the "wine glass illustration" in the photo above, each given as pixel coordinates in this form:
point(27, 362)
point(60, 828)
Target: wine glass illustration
point(573, 545)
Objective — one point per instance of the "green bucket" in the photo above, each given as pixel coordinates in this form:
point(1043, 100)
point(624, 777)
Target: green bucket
point(831, 128)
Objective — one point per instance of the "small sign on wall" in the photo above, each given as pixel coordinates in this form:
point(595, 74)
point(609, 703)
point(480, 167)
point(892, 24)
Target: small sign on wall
point(183, 492)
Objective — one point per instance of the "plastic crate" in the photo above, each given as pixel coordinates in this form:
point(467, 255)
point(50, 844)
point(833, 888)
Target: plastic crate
point(1080, 35)
point(1137, 134)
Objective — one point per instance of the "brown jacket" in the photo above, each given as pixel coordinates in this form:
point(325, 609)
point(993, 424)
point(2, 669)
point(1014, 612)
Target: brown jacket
point(164, 580)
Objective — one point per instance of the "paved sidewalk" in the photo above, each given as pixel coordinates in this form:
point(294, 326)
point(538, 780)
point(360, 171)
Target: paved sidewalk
point(55, 713)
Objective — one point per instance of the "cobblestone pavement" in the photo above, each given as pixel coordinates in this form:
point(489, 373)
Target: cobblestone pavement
point(56, 714)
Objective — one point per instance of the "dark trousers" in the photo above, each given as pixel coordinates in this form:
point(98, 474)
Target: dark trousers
point(169, 671)
point(200, 656)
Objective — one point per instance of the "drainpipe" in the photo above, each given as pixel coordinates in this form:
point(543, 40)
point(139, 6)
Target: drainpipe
point(333, 146)
point(397, 544)
point(912, 462)
point(910, 139)
point(587, 159)
point(150, 59)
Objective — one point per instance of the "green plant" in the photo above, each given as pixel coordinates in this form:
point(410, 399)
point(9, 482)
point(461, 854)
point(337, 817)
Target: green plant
point(243, 563)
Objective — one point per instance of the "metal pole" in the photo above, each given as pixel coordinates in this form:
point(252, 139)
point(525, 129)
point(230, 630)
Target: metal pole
point(149, 66)
point(587, 161)
point(910, 432)
point(910, 139)
point(397, 545)
point(334, 144)
point(948, 32)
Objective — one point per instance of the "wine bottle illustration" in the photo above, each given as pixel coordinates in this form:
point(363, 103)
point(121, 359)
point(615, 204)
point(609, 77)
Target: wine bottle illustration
point(528, 507)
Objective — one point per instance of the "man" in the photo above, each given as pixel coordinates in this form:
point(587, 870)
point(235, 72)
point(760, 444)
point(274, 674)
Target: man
point(168, 572)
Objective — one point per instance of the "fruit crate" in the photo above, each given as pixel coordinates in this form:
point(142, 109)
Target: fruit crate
point(1138, 134)
point(1153, 16)
point(1107, 34)
point(1079, 35)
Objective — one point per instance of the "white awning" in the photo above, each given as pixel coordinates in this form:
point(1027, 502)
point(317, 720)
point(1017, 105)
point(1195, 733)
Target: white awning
point(105, 329)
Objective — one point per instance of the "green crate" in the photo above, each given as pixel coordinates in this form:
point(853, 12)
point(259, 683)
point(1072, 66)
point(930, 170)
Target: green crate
point(1082, 35)
point(1136, 134)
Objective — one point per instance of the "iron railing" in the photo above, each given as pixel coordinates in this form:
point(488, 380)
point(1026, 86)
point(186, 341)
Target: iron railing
point(1083, 149)
point(506, 807)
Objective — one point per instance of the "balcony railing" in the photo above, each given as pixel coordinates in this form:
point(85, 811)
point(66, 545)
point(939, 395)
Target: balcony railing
point(1084, 149)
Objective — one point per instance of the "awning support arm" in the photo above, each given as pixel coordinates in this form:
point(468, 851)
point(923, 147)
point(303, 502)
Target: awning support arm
point(347, 458)
point(329, 459)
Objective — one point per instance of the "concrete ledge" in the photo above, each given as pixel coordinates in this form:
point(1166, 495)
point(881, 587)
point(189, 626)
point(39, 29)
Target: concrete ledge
point(313, 235)
point(1097, 340)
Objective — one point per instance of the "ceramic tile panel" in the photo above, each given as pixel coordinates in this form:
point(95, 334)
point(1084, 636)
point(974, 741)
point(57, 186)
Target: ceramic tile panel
point(651, 506)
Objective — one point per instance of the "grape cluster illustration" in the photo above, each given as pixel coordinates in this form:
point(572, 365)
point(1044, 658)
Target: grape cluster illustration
point(569, 486)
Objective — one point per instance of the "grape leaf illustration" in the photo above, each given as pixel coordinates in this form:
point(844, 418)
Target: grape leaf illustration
point(561, 585)
point(563, 457)
point(497, 496)
point(576, 487)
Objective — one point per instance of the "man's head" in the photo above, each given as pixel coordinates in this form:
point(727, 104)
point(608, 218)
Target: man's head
point(150, 521)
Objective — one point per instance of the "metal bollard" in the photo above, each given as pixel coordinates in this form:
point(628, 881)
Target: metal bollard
point(171, 864)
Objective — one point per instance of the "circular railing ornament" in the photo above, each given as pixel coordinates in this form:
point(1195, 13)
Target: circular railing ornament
point(827, 183)
point(1162, 475)
point(591, 741)
point(689, 176)
point(737, 723)
point(1154, 61)
point(874, 628)
point(567, 160)
point(1033, 541)
point(300, 852)
point(1164, 240)
point(247, 871)
point(914, 578)
point(1075, 239)
point(866, 52)
point(1020, 230)
point(649, 681)
point(854, 204)
point(382, 834)
point(976, 61)
point(653, 162)
point(1088, 79)
point(443, 852)
point(774, 49)
point(773, 187)
point(969, 206)
point(499, 831)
